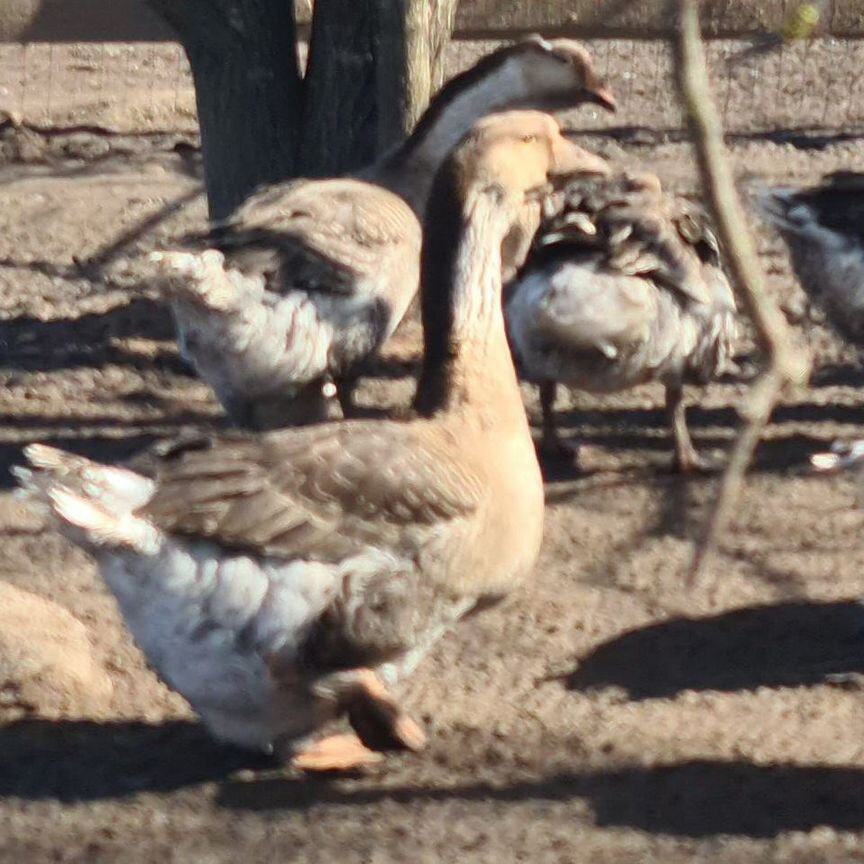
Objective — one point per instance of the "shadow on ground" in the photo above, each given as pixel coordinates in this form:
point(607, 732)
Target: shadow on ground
point(86, 761)
point(29, 344)
point(109, 444)
point(691, 799)
point(784, 645)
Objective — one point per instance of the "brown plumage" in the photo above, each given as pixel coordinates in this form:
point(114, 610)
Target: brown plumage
point(282, 580)
point(306, 281)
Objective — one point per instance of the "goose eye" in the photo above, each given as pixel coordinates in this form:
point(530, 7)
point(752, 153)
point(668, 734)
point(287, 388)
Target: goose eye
point(529, 139)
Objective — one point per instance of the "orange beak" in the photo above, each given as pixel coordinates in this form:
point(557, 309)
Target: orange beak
point(604, 99)
point(600, 94)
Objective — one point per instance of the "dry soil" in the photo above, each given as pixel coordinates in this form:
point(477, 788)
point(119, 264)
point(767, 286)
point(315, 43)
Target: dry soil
point(607, 714)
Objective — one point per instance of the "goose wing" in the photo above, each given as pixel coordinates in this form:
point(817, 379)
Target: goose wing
point(626, 222)
point(320, 235)
point(318, 493)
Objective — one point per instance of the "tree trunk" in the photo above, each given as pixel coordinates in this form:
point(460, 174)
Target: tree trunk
point(373, 66)
point(339, 105)
point(428, 35)
point(243, 55)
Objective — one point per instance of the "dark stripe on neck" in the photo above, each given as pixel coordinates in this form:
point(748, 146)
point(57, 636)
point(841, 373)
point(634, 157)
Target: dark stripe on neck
point(444, 230)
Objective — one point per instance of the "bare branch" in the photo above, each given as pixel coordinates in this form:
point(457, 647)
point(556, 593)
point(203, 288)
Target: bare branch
point(785, 362)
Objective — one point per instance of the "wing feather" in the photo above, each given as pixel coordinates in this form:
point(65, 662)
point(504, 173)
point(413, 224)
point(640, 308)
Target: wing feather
point(323, 235)
point(320, 491)
point(629, 225)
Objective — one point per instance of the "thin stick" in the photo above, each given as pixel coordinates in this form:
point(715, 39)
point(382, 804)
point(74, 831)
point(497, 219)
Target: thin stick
point(785, 363)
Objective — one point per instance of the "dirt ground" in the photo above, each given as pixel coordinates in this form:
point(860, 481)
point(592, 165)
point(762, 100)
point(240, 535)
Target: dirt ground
point(607, 714)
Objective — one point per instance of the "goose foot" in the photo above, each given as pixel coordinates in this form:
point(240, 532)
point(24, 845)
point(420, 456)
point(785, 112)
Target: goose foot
point(375, 715)
point(380, 722)
point(334, 753)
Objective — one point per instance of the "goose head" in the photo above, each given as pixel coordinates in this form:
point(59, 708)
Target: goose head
point(515, 156)
point(561, 73)
point(517, 243)
point(533, 73)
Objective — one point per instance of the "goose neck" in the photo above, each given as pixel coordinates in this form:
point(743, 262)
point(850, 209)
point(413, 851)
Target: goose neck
point(467, 359)
point(410, 168)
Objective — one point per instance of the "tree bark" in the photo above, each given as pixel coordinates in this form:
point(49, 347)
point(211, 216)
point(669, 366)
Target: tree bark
point(339, 105)
point(243, 55)
point(373, 66)
point(429, 24)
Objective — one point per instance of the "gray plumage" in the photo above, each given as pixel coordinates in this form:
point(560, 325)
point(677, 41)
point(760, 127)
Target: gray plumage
point(246, 561)
point(623, 286)
point(823, 227)
point(280, 580)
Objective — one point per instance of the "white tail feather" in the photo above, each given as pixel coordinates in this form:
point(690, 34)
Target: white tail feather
point(102, 528)
point(196, 277)
point(97, 501)
point(116, 488)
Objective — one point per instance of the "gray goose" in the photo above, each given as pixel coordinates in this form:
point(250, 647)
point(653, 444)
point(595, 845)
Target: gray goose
point(280, 580)
point(309, 277)
point(823, 227)
point(623, 286)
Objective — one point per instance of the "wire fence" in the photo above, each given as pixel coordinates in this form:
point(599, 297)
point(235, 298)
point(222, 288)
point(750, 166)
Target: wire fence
point(139, 87)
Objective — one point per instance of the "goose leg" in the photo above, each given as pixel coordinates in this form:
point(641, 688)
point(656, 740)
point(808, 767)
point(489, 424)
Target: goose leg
point(380, 722)
point(345, 394)
point(551, 443)
point(687, 459)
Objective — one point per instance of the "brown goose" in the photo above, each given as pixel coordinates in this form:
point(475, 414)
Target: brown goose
point(309, 277)
point(623, 286)
point(281, 580)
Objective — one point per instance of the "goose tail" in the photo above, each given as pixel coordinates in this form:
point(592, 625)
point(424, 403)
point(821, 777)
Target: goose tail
point(92, 504)
point(198, 278)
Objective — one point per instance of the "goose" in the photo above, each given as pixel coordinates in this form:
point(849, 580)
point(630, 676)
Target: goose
point(309, 277)
point(623, 285)
point(823, 227)
point(280, 580)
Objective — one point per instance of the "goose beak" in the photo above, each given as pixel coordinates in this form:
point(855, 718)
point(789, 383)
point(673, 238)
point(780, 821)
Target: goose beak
point(569, 159)
point(600, 94)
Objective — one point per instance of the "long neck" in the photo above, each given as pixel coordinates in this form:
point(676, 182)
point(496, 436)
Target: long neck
point(410, 168)
point(466, 358)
